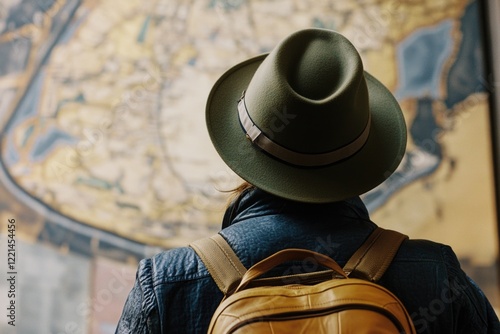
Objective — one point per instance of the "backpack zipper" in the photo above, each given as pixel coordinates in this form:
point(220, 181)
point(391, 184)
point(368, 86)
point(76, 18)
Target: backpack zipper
point(318, 313)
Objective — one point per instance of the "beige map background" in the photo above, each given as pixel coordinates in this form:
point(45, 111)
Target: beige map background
point(104, 121)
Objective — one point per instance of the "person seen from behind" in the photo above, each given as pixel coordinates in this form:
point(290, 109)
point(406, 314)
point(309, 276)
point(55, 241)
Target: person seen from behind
point(309, 131)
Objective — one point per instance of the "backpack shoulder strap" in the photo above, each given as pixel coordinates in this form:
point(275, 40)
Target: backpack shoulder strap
point(222, 263)
point(375, 255)
point(369, 262)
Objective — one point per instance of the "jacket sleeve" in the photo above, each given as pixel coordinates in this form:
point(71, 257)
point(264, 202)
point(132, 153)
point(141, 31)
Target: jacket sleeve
point(140, 313)
point(487, 314)
point(473, 312)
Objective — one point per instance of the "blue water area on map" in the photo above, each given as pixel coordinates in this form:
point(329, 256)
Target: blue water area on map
point(424, 128)
point(69, 26)
point(467, 74)
point(25, 12)
point(10, 155)
point(144, 30)
point(226, 4)
point(46, 143)
point(465, 77)
point(60, 22)
point(421, 58)
point(14, 55)
point(28, 108)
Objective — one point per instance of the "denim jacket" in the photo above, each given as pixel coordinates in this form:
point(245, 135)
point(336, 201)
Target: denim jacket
point(174, 292)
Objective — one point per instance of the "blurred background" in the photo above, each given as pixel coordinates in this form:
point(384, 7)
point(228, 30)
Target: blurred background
point(105, 160)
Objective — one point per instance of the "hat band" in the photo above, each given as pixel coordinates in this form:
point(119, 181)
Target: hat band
point(258, 138)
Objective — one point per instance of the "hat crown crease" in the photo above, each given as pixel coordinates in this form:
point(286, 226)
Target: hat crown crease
point(308, 96)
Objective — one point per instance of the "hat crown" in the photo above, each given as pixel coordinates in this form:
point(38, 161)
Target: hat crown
point(306, 127)
point(309, 94)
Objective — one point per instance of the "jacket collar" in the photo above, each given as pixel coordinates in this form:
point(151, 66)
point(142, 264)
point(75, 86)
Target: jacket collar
point(255, 202)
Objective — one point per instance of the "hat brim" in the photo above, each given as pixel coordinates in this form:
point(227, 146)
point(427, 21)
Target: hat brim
point(377, 159)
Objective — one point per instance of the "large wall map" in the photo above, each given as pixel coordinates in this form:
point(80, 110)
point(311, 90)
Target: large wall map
point(105, 103)
point(102, 113)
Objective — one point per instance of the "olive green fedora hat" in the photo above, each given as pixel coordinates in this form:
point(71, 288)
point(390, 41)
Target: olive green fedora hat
point(306, 122)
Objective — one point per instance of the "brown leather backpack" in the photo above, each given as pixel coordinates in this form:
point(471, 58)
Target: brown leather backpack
point(337, 300)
